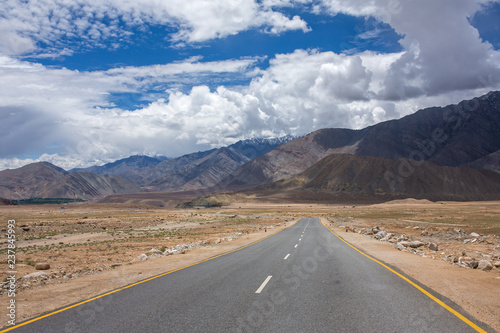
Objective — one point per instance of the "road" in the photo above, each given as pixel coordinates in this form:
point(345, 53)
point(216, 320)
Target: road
point(302, 279)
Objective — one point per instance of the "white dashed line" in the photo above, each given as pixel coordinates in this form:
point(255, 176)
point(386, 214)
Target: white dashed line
point(287, 256)
point(296, 245)
point(263, 285)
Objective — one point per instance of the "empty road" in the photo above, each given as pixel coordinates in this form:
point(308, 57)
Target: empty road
point(302, 279)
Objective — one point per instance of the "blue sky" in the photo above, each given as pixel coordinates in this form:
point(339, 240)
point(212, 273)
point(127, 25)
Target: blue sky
point(89, 82)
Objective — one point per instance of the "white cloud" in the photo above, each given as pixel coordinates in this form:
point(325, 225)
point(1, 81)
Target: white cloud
point(443, 61)
point(90, 23)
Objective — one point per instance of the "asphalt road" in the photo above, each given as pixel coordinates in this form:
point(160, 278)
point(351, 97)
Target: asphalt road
point(303, 279)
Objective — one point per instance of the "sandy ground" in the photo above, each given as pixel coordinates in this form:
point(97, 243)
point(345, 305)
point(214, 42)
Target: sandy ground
point(93, 248)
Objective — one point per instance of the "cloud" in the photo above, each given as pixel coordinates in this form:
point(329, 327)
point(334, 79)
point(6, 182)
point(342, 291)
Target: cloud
point(443, 51)
point(95, 23)
point(70, 115)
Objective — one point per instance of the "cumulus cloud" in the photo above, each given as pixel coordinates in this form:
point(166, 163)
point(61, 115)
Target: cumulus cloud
point(443, 61)
point(91, 23)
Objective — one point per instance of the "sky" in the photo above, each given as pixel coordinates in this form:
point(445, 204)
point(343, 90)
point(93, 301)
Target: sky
point(89, 82)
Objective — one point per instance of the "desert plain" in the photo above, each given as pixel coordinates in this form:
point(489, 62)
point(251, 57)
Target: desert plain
point(67, 255)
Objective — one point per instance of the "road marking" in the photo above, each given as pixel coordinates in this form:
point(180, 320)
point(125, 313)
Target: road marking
point(296, 245)
point(425, 292)
point(287, 256)
point(134, 284)
point(263, 285)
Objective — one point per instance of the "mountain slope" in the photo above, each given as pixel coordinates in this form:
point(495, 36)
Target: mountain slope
point(359, 177)
point(48, 181)
point(454, 135)
point(191, 171)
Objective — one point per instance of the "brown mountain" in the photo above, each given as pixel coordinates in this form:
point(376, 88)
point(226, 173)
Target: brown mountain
point(191, 171)
point(358, 178)
point(44, 180)
point(455, 135)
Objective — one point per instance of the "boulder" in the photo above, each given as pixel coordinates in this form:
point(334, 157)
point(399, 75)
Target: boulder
point(142, 257)
point(433, 247)
point(42, 266)
point(153, 251)
point(404, 243)
point(416, 244)
point(485, 265)
point(381, 234)
point(473, 264)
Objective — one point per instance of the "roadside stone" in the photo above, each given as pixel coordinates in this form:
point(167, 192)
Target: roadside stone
point(116, 265)
point(496, 256)
point(400, 247)
point(485, 265)
point(433, 247)
point(368, 232)
point(416, 244)
point(416, 227)
point(142, 257)
point(467, 241)
point(41, 266)
point(496, 264)
point(153, 251)
point(473, 264)
point(381, 234)
point(475, 235)
point(404, 243)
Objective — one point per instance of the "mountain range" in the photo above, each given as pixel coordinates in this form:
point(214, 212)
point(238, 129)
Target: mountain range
point(438, 153)
point(188, 172)
point(467, 134)
point(45, 180)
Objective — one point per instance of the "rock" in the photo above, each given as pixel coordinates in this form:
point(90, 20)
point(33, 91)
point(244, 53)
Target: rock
point(473, 264)
point(433, 247)
point(485, 265)
point(400, 247)
point(368, 232)
point(404, 243)
point(473, 234)
point(142, 257)
point(116, 265)
point(381, 234)
point(424, 233)
point(41, 266)
point(375, 229)
point(388, 238)
point(153, 251)
point(36, 275)
point(496, 264)
point(416, 244)
point(416, 227)
point(466, 241)
point(496, 256)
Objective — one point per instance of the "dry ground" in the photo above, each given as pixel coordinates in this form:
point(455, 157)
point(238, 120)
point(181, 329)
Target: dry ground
point(92, 248)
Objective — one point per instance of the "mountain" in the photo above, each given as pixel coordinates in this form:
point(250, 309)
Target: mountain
point(455, 135)
point(191, 171)
point(126, 167)
point(354, 178)
point(45, 180)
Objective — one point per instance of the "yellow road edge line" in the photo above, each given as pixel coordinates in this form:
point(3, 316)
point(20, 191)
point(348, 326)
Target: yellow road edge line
point(425, 292)
point(139, 282)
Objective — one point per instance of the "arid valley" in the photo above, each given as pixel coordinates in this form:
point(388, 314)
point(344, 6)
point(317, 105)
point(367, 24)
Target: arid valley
point(92, 248)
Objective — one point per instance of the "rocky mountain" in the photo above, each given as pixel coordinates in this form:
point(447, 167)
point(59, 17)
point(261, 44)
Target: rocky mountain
point(455, 135)
point(122, 167)
point(188, 172)
point(352, 178)
point(44, 180)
